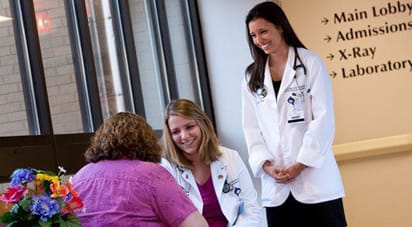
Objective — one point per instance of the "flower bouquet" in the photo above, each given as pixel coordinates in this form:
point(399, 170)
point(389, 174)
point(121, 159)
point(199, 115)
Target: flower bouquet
point(40, 199)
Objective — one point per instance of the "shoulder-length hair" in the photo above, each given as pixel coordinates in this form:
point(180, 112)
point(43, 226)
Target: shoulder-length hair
point(209, 146)
point(272, 13)
point(124, 136)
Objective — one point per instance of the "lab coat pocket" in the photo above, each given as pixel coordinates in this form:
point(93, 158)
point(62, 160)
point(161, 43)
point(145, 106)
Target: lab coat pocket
point(232, 206)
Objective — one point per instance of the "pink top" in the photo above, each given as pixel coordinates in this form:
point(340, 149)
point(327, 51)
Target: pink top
point(130, 193)
point(211, 208)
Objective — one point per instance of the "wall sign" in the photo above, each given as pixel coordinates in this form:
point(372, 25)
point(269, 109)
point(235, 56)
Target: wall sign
point(367, 48)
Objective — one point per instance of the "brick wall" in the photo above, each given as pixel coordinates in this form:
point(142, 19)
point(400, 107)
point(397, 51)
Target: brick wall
point(13, 120)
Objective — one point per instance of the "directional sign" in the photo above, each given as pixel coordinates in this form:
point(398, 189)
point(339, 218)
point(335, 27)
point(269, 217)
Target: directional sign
point(367, 48)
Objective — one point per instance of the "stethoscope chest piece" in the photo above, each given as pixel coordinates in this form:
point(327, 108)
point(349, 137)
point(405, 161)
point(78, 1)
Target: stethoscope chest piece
point(226, 187)
point(261, 93)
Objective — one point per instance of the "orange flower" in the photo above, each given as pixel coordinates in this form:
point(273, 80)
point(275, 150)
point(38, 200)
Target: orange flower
point(71, 206)
point(58, 190)
point(72, 200)
point(71, 190)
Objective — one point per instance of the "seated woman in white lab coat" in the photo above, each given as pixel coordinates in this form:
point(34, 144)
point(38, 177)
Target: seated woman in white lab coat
point(214, 177)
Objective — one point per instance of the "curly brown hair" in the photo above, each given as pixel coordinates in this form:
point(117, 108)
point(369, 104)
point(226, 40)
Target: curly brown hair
point(124, 136)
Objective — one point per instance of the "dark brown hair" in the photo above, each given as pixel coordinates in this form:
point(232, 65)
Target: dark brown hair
point(272, 13)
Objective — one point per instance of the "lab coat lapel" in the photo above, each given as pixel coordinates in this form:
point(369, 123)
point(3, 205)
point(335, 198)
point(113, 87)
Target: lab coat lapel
point(188, 177)
point(267, 81)
point(288, 74)
point(219, 174)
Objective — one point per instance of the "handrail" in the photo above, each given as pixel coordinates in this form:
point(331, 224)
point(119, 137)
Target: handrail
point(373, 147)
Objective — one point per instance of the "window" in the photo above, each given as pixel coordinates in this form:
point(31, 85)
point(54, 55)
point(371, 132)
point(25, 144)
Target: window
point(58, 66)
point(82, 62)
point(13, 119)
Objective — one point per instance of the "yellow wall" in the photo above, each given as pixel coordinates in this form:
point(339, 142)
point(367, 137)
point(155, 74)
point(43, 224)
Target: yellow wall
point(378, 190)
point(377, 175)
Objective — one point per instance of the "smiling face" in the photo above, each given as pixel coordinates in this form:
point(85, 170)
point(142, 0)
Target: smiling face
point(186, 135)
point(266, 36)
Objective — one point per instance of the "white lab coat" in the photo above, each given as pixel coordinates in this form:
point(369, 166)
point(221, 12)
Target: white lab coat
point(240, 210)
point(269, 136)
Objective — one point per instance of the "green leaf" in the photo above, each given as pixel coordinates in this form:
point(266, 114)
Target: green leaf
point(19, 223)
point(8, 217)
point(15, 224)
point(45, 223)
point(25, 204)
point(61, 203)
point(46, 185)
point(72, 221)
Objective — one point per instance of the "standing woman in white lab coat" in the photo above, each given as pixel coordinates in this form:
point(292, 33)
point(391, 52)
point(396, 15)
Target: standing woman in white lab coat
point(214, 177)
point(288, 122)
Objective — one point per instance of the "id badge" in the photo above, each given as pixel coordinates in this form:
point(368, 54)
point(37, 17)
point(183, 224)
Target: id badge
point(296, 111)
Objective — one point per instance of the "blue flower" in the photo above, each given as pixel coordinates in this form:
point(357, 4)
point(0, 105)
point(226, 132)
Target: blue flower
point(44, 207)
point(20, 176)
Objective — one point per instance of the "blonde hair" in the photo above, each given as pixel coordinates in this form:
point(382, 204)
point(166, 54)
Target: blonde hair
point(209, 146)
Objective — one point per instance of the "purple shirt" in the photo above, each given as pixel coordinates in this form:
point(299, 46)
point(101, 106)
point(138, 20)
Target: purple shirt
point(130, 193)
point(211, 208)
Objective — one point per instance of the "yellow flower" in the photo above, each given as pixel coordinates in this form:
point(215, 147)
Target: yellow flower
point(41, 177)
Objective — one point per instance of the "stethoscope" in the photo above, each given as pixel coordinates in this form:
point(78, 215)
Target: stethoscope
point(261, 92)
point(296, 66)
point(227, 186)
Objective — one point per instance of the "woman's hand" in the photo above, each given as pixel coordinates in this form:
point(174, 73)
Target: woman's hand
point(278, 174)
point(283, 176)
point(294, 170)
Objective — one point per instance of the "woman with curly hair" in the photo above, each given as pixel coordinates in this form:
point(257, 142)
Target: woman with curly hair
point(123, 184)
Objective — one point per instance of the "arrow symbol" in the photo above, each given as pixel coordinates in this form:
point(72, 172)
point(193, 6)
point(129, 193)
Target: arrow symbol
point(327, 39)
point(333, 74)
point(330, 57)
point(325, 21)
